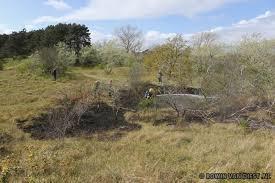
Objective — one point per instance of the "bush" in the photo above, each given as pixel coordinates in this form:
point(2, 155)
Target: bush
point(146, 103)
point(29, 66)
point(112, 54)
point(71, 108)
point(58, 57)
point(90, 57)
point(244, 123)
point(108, 69)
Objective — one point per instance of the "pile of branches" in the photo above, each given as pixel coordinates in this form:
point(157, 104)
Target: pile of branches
point(252, 122)
point(72, 105)
point(224, 110)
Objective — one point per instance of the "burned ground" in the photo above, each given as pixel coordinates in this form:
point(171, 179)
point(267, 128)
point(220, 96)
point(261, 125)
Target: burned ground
point(5, 139)
point(94, 121)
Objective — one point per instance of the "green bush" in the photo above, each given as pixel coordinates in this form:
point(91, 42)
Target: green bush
point(244, 123)
point(59, 57)
point(111, 53)
point(146, 103)
point(29, 66)
point(108, 69)
point(90, 57)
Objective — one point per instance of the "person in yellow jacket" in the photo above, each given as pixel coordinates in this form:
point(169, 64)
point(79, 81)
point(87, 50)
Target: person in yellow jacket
point(151, 93)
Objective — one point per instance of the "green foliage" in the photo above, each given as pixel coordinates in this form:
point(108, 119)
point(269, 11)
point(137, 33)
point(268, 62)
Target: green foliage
point(29, 66)
point(24, 43)
point(105, 55)
point(112, 54)
point(47, 59)
point(173, 59)
point(66, 56)
point(90, 56)
point(246, 70)
point(146, 103)
point(244, 123)
point(108, 69)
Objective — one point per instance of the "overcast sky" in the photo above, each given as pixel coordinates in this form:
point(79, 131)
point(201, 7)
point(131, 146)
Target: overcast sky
point(158, 19)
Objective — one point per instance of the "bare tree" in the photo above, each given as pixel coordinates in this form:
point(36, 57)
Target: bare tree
point(130, 38)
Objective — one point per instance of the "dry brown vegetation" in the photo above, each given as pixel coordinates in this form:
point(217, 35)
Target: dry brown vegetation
point(64, 132)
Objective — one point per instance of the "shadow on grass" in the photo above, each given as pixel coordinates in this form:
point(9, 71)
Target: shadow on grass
point(100, 122)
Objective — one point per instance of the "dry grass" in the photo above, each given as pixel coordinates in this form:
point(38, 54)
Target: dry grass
point(153, 154)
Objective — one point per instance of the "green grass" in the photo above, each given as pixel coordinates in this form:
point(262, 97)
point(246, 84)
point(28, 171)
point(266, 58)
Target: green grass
point(152, 154)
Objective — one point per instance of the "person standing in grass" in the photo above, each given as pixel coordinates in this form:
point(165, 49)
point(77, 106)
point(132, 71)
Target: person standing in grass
point(54, 73)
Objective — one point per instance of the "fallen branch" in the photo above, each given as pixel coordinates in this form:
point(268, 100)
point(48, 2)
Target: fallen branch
point(243, 109)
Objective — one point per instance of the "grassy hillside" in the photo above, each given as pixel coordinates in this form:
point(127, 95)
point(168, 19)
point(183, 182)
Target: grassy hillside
point(151, 154)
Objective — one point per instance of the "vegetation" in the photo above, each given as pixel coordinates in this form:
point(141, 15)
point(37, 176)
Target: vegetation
point(154, 153)
point(94, 125)
point(24, 43)
point(130, 38)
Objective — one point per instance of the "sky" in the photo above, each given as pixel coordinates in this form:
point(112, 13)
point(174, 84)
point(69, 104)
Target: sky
point(158, 19)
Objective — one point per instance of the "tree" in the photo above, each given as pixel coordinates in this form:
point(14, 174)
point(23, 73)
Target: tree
point(77, 38)
point(58, 57)
point(16, 44)
point(256, 59)
point(204, 39)
point(24, 43)
point(172, 58)
point(113, 55)
point(3, 40)
point(35, 40)
point(205, 51)
point(130, 38)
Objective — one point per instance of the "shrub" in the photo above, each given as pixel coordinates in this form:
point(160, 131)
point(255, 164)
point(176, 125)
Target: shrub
point(29, 66)
point(67, 115)
point(58, 57)
point(146, 103)
point(244, 123)
point(108, 69)
point(66, 56)
point(111, 53)
point(90, 56)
